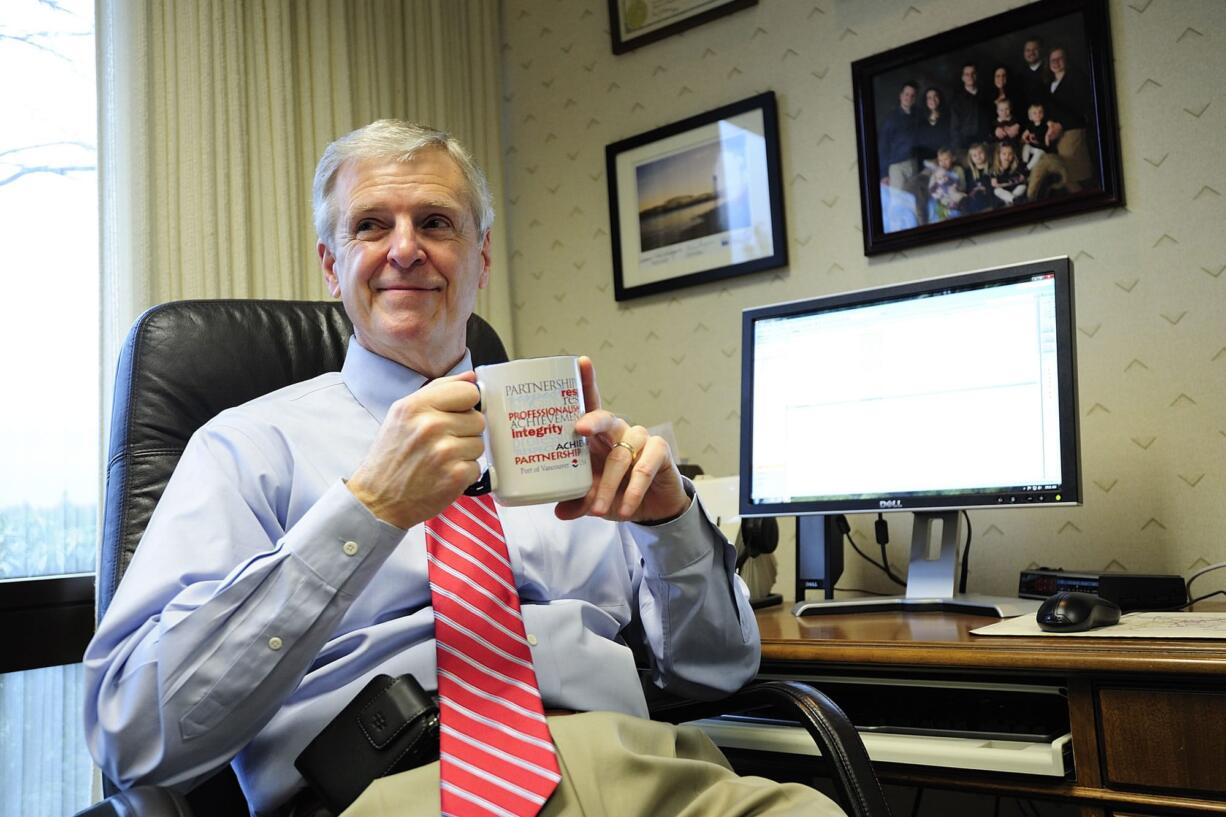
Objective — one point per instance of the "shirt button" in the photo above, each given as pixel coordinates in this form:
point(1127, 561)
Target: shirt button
point(350, 548)
point(275, 643)
point(532, 640)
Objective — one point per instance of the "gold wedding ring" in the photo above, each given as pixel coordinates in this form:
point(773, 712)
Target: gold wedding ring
point(634, 454)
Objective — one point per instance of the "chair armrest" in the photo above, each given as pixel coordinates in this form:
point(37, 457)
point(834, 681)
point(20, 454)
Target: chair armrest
point(852, 773)
point(839, 742)
point(141, 801)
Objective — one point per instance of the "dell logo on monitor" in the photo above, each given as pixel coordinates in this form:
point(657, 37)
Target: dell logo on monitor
point(890, 503)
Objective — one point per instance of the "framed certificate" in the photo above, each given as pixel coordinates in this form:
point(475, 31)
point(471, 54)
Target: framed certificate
point(633, 23)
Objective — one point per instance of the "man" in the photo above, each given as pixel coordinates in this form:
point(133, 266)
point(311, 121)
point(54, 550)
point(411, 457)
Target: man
point(1031, 77)
point(971, 111)
point(1067, 102)
point(286, 563)
point(896, 157)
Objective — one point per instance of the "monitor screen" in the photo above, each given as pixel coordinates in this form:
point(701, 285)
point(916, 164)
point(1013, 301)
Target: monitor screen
point(949, 393)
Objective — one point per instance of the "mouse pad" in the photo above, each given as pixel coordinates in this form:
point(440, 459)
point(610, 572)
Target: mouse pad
point(1132, 625)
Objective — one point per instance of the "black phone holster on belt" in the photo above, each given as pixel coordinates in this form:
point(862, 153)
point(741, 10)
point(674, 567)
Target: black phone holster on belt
point(391, 726)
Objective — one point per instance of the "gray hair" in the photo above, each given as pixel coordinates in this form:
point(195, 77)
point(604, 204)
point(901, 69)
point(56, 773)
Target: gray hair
point(398, 141)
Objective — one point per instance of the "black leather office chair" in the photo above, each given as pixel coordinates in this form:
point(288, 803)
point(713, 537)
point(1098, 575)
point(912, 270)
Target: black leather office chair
point(186, 361)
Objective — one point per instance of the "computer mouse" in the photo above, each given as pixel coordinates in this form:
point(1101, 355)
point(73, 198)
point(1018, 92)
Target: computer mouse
point(1070, 612)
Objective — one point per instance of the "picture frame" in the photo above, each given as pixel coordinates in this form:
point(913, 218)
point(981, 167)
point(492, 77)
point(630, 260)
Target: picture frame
point(635, 23)
point(697, 200)
point(922, 174)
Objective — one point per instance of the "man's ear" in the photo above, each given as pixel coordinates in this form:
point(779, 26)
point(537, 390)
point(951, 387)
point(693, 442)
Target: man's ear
point(327, 262)
point(484, 280)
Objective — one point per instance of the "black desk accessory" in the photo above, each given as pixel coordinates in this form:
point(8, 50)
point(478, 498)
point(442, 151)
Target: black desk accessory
point(1131, 591)
point(819, 554)
point(758, 536)
point(1070, 612)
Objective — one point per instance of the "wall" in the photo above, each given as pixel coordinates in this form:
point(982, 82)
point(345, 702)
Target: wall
point(212, 116)
point(1150, 285)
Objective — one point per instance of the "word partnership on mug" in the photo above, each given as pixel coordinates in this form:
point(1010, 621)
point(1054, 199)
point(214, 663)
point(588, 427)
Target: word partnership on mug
point(530, 409)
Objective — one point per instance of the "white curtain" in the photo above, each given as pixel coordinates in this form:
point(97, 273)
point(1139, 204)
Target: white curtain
point(213, 113)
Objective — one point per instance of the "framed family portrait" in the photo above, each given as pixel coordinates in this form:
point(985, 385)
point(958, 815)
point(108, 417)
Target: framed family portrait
point(1004, 121)
point(633, 23)
point(698, 200)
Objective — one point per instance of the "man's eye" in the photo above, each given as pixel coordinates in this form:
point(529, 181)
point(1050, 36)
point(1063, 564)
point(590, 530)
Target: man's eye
point(436, 223)
point(366, 225)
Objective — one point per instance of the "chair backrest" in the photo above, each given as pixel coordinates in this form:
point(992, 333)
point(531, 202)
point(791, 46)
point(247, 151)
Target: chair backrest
point(186, 361)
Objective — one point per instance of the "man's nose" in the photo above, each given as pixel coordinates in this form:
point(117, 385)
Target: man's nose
point(405, 249)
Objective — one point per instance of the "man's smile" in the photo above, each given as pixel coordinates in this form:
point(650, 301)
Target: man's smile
point(406, 287)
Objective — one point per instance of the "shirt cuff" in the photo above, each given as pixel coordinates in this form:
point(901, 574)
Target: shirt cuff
point(672, 546)
point(340, 540)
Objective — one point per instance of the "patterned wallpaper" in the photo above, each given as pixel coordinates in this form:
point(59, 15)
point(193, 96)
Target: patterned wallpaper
point(1150, 278)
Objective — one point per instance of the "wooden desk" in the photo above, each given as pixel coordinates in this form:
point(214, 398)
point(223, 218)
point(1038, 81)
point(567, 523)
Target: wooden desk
point(1147, 717)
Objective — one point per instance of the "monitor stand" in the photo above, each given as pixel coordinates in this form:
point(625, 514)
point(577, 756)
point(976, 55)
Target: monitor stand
point(930, 581)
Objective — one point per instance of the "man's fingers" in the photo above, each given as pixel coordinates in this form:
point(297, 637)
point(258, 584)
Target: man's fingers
point(468, 449)
point(458, 393)
point(415, 425)
point(469, 424)
point(465, 473)
point(587, 376)
point(642, 474)
point(575, 508)
point(603, 430)
point(602, 424)
point(623, 452)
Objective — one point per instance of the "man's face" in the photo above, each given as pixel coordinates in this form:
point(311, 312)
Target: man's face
point(1056, 61)
point(407, 260)
point(970, 77)
point(1030, 52)
point(906, 98)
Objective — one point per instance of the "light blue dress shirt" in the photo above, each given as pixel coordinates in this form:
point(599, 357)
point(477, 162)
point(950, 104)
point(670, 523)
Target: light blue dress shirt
point(264, 596)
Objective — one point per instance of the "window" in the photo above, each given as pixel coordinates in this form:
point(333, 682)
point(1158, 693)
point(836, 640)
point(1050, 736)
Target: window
point(49, 314)
point(45, 770)
point(49, 446)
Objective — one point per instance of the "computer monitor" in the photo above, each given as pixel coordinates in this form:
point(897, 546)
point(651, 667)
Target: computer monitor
point(932, 397)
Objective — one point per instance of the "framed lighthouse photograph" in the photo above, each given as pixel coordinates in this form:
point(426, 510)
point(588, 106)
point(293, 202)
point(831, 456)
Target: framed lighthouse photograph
point(697, 200)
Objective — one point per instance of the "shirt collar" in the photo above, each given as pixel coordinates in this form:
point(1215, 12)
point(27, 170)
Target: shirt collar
point(377, 382)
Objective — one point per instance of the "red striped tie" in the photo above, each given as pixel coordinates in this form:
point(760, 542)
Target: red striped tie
point(496, 755)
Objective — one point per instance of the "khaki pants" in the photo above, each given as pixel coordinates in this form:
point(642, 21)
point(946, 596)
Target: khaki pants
point(1075, 151)
point(1069, 165)
point(616, 765)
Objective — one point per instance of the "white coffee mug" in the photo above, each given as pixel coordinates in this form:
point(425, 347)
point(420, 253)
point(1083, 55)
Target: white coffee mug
point(530, 409)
